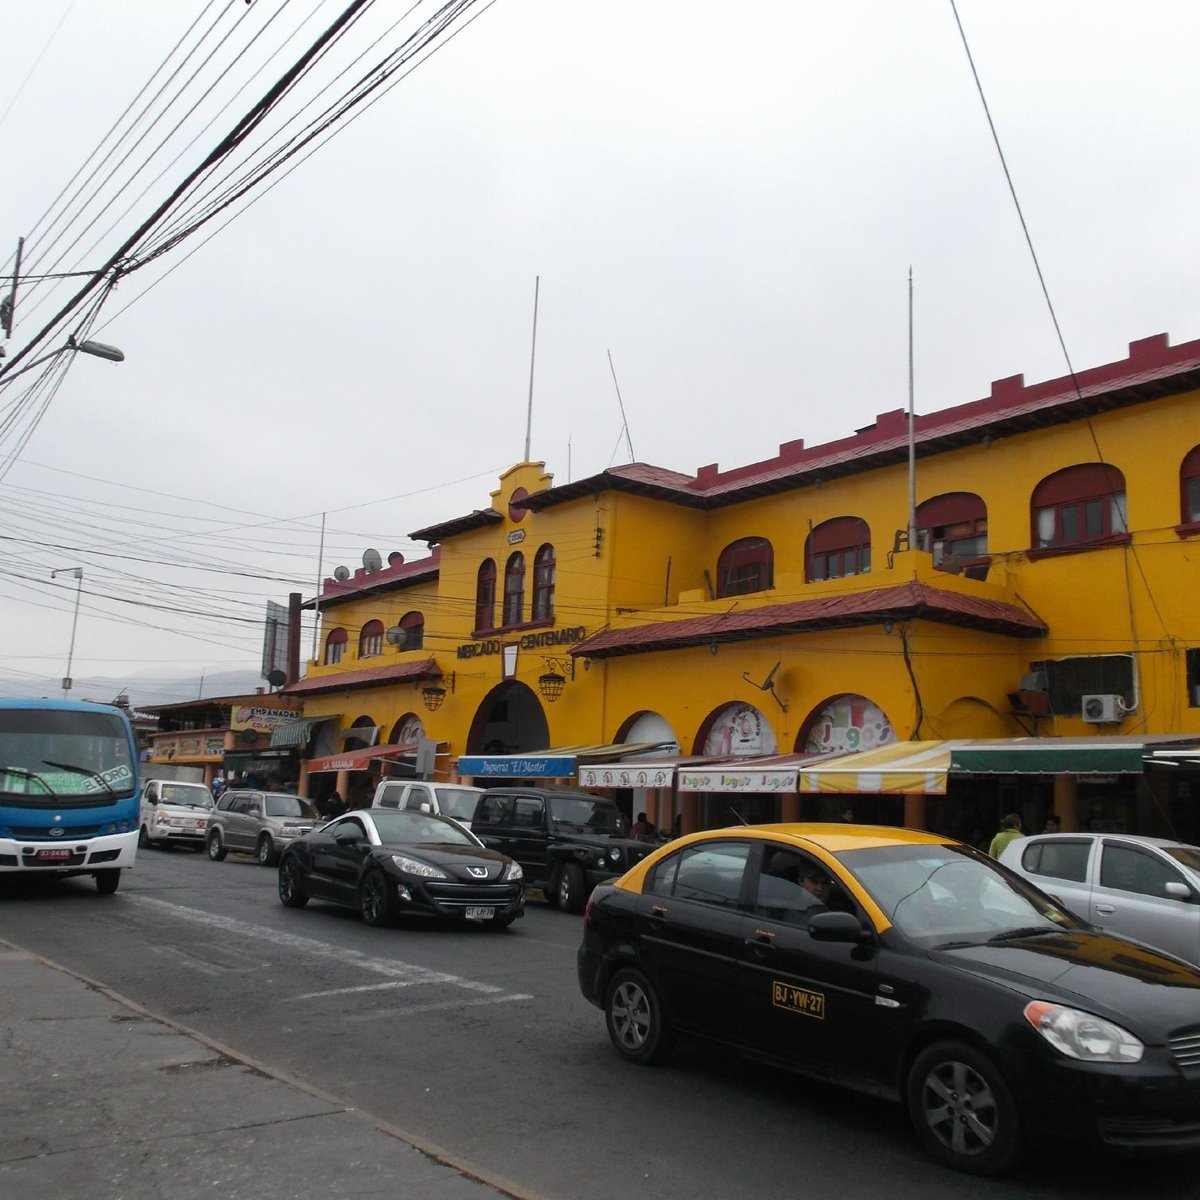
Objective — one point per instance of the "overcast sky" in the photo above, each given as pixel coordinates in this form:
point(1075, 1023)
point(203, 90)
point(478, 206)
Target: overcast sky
point(727, 198)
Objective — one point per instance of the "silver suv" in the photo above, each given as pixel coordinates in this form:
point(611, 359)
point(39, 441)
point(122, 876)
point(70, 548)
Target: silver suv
point(455, 800)
point(1137, 887)
point(258, 823)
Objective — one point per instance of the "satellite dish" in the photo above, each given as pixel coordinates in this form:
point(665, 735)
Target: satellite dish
point(769, 683)
point(372, 560)
point(277, 678)
point(395, 635)
point(341, 574)
point(395, 559)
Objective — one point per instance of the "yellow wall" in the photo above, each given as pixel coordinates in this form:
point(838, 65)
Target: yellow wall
point(1108, 600)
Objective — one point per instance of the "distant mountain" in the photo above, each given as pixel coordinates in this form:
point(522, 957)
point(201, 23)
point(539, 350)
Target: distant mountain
point(142, 689)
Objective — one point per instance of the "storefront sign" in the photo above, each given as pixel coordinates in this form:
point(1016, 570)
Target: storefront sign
point(527, 641)
point(513, 767)
point(740, 729)
point(625, 777)
point(731, 780)
point(261, 720)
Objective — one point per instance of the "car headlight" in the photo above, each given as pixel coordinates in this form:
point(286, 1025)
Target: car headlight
point(615, 854)
point(514, 871)
point(410, 866)
point(1082, 1035)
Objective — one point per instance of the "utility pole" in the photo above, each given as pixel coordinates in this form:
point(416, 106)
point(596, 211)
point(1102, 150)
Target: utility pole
point(78, 573)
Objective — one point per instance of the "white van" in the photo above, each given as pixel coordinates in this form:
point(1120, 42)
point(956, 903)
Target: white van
point(174, 812)
point(455, 800)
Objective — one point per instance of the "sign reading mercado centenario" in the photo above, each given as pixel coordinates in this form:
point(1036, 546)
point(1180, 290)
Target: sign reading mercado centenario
point(527, 641)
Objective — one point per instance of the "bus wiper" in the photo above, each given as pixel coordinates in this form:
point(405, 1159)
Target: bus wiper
point(32, 776)
point(62, 766)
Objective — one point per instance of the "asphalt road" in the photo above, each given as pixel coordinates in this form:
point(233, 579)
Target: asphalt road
point(480, 1042)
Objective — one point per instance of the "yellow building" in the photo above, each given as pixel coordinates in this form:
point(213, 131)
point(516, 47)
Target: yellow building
point(1010, 570)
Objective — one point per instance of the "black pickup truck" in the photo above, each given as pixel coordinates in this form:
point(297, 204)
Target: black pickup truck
point(566, 842)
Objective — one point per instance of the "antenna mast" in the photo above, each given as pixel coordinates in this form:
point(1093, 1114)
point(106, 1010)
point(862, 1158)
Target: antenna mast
point(317, 593)
point(912, 434)
point(537, 279)
point(624, 419)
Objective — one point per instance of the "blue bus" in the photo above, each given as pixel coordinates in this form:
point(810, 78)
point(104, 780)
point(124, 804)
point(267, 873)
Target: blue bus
point(68, 790)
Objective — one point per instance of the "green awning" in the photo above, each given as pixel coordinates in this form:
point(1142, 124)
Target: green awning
point(1057, 756)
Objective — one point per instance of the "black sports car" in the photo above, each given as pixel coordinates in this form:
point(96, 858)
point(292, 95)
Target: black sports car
point(908, 966)
point(388, 863)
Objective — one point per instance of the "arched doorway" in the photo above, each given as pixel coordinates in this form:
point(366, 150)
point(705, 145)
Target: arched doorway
point(510, 720)
point(735, 730)
point(845, 724)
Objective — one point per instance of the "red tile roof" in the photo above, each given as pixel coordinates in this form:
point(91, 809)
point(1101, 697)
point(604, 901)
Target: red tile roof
point(907, 601)
point(337, 681)
point(396, 575)
point(1154, 368)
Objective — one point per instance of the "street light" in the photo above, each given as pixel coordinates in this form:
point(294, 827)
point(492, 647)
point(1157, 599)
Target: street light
point(78, 573)
point(95, 349)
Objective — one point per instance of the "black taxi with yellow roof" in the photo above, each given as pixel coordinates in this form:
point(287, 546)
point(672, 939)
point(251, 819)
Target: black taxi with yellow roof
point(908, 966)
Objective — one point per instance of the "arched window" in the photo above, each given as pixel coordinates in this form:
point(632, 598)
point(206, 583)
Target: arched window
point(485, 595)
point(953, 528)
point(1189, 488)
point(836, 548)
point(413, 625)
point(370, 640)
point(543, 584)
point(514, 589)
point(747, 565)
point(1079, 506)
point(335, 646)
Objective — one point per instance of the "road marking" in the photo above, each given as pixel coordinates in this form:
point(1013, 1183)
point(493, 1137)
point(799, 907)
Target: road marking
point(376, 1013)
point(401, 974)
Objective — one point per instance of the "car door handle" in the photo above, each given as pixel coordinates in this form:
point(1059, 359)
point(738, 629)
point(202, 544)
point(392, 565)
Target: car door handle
point(761, 940)
point(658, 912)
point(1106, 909)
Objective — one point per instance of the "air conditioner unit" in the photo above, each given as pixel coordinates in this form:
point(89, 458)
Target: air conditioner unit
point(1103, 709)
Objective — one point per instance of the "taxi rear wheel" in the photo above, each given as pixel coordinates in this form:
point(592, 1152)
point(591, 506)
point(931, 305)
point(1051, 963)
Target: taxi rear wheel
point(637, 1025)
point(963, 1110)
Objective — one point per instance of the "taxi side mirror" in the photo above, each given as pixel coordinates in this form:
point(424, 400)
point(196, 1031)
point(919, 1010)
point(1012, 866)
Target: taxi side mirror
point(836, 927)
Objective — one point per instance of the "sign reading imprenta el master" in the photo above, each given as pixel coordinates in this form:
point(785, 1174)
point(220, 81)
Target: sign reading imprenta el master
point(527, 641)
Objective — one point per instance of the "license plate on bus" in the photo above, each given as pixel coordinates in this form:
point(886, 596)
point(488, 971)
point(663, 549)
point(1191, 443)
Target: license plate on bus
point(479, 912)
point(52, 855)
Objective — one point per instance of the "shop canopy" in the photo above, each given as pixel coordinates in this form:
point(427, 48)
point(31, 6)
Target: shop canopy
point(297, 733)
point(559, 762)
point(360, 760)
point(776, 773)
point(637, 772)
point(901, 768)
point(1113, 755)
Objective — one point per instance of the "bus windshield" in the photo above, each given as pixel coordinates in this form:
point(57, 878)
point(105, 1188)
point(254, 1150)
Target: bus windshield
point(51, 755)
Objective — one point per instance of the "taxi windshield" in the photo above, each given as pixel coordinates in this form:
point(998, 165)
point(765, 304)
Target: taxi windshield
point(948, 894)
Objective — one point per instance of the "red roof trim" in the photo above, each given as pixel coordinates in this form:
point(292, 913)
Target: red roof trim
point(337, 681)
point(906, 602)
point(1153, 369)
